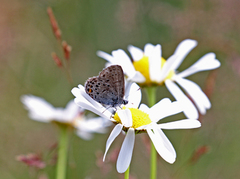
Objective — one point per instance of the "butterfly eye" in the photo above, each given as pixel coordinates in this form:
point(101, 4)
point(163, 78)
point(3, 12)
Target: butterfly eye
point(125, 102)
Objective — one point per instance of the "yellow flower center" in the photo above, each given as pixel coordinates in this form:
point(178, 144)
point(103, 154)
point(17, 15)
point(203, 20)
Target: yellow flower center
point(139, 118)
point(142, 66)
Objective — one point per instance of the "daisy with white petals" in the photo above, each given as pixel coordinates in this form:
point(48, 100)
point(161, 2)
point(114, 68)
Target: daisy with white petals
point(132, 120)
point(132, 94)
point(149, 68)
point(42, 111)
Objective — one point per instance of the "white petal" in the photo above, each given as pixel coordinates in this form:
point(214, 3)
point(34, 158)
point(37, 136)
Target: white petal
point(182, 51)
point(126, 117)
point(75, 91)
point(188, 108)
point(84, 135)
point(155, 63)
point(163, 109)
point(71, 110)
point(125, 154)
point(207, 62)
point(97, 124)
point(86, 105)
point(135, 52)
point(148, 48)
point(156, 111)
point(133, 94)
point(167, 67)
point(137, 77)
point(106, 56)
point(60, 116)
point(144, 108)
point(83, 94)
point(122, 59)
point(39, 109)
point(174, 61)
point(107, 64)
point(86, 102)
point(162, 144)
point(197, 95)
point(181, 124)
point(94, 103)
point(115, 132)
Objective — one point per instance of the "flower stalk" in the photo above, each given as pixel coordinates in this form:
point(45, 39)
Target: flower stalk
point(126, 174)
point(151, 94)
point(153, 171)
point(62, 152)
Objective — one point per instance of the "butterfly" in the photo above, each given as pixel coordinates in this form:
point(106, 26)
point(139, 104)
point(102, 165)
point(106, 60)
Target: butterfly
point(108, 88)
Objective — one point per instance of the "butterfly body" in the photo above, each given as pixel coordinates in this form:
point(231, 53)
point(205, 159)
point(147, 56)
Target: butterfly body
point(108, 88)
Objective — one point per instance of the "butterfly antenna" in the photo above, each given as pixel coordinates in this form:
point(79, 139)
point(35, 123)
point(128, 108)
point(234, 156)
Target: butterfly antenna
point(108, 108)
point(105, 110)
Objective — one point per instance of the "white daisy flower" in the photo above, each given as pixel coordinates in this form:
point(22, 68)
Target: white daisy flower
point(132, 94)
point(42, 111)
point(133, 120)
point(149, 68)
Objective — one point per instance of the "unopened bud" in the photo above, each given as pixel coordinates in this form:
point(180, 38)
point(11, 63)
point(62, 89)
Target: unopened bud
point(54, 24)
point(57, 60)
point(32, 160)
point(199, 152)
point(210, 83)
point(67, 50)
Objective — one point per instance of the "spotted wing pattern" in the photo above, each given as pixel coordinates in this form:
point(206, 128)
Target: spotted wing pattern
point(108, 87)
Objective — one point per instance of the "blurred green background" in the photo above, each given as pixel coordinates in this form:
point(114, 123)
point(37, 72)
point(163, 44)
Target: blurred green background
point(26, 67)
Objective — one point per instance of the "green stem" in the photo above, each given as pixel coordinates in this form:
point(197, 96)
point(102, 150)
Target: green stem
point(153, 174)
point(126, 175)
point(62, 152)
point(151, 93)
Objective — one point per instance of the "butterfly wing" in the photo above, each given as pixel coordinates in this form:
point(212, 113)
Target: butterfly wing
point(114, 77)
point(108, 87)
